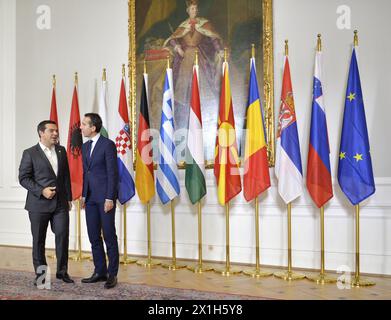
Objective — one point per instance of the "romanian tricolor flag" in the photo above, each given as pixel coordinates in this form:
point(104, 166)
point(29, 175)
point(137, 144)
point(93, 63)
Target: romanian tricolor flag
point(226, 166)
point(145, 182)
point(256, 177)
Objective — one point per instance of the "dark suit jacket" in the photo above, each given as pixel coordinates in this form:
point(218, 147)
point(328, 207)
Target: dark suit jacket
point(100, 174)
point(36, 173)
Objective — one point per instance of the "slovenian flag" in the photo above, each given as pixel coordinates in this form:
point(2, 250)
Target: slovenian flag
point(318, 167)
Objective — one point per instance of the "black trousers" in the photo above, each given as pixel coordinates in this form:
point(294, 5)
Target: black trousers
point(59, 222)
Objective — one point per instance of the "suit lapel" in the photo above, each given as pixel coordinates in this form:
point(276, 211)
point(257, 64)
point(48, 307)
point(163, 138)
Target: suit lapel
point(59, 159)
point(95, 151)
point(45, 159)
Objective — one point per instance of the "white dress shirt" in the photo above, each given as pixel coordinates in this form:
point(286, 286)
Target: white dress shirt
point(94, 140)
point(51, 155)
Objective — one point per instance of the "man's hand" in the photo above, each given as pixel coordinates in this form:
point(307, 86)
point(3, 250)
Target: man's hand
point(83, 202)
point(70, 205)
point(49, 192)
point(109, 204)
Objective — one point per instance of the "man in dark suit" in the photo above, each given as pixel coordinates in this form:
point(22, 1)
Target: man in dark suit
point(44, 172)
point(100, 188)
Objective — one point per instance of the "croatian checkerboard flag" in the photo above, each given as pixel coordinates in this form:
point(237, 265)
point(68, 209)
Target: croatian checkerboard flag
point(123, 142)
point(167, 182)
point(288, 160)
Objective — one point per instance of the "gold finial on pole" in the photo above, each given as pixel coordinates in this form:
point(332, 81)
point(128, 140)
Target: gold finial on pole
point(54, 80)
point(252, 50)
point(123, 70)
point(145, 66)
point(76, 78)
point(196, 58)
point(286, 47)
point(168, 62)
point(319, 46)
point(104, 74)
point(355, 38)
point(225, 54)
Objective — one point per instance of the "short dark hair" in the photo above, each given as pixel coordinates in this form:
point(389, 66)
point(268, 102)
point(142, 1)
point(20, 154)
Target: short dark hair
point(42, 125)
point(96, 120)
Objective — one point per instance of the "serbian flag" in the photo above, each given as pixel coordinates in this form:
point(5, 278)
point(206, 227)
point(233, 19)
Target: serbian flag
point(53, 107)
point(226, 166)
point(75, 142)
point(288, 160)
point(318, 167)
point(123, 142)
point(256, 177)
point(145, 181)
point(195, 161)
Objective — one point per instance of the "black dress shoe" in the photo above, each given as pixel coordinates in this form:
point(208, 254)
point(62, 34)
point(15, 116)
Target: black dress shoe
point(64, 277)
point(94, 278)
point(111, 282)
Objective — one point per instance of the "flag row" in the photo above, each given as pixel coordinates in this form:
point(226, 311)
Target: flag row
point(355, 174)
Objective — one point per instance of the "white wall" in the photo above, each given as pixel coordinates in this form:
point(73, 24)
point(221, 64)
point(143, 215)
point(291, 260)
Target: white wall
point(89, 35)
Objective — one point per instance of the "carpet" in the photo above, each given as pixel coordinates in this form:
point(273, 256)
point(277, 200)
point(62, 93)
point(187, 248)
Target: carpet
point(18, 285)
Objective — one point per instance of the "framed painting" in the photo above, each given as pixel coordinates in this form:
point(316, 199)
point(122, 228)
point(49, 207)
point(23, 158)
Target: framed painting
point(173, 30)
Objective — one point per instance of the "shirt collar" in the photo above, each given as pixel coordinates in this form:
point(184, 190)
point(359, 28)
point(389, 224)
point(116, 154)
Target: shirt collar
point(43, 147)
point(95, 139)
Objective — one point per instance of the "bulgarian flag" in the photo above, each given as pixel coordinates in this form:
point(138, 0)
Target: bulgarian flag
point(226, 166)
point(145, 181)
point(195, 163)
point(103, 106)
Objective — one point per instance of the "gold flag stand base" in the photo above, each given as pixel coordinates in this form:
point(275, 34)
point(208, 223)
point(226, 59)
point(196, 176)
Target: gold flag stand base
point(322, 278)
point(149, 263)
point(199, 268)
point(227, 272)
point(358, 282)
point(80, 257)
point(173, 266)
point(126, 261)
point(289, 275)
point(257, 273)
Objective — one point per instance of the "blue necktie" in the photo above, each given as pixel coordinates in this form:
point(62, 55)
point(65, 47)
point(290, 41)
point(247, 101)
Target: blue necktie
point(89, 146)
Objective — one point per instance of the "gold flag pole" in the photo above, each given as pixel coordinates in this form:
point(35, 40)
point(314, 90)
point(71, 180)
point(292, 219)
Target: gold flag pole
point(322, 278)
point(149, 263)
point(257, 273)
point(200, 267)
point(227, 271)
point(53, 256)
point(289, 275)
point(173, 265)
point(124, 260)
point(358, 281)
point(79, 256)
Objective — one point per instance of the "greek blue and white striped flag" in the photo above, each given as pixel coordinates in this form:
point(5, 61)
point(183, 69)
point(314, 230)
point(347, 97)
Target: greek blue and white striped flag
point(167, 182)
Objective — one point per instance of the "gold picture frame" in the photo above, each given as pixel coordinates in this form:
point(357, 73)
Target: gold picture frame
point(268, 76)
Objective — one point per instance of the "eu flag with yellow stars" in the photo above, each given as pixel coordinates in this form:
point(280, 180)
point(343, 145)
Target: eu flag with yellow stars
point(355, 174)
